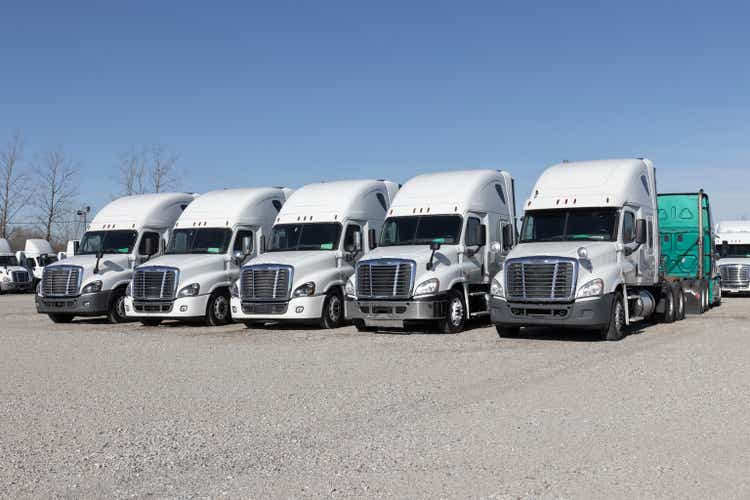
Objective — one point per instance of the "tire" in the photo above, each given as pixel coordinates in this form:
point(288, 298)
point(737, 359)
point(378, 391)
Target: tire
point(359, 324)
point(116, 312)
point(702, 300)
point(616, 329)
point(670, 306)
point(717, 294)
point(707, 298)
point(218, 310)
point(679, 302)
point(456, 319)
point(151, 321)
point(333, 310)
point(61, 318)
point(505, 332)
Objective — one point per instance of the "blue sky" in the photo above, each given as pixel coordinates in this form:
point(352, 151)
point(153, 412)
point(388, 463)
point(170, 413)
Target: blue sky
point(285, 93)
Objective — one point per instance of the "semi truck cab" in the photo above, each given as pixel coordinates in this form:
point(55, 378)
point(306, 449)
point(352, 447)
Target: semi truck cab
point(445, 235)
point(733, 246)
point(125, 233)
point(14, 276)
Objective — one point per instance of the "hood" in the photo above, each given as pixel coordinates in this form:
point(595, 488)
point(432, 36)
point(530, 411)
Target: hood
point(190, 265)
point(10, 269)
point(112, 267)
point(728, 261)
point(418, 253)
point(596, 249)
point(305, 263)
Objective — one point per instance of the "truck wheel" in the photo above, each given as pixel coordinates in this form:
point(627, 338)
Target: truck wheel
point(151, 321)
point(706, 297)
point(333, 310)
point(61, 318)
point(507, 331)
point(116, 313)
point(679, 302)
point(701, 298)
point(717, 294)
point(217, 309)
point(616, 328)
point(670, 306)
point(360, 325)
point(456, 314)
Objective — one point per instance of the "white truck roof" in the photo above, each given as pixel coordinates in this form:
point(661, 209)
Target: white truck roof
point(455, 192)
point(158, 210)
point(232, 207)
point(598, 183)
point(5, 247)
point(337, 200)
point(35, 247)
point(735, 232)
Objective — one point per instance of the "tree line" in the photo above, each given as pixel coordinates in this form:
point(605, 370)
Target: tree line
point(40, 195)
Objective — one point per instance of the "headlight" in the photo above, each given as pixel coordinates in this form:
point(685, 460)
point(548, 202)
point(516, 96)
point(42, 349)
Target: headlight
point(6, 279)
point(432, 285)
point(93, 287)
point(129, 289)
point(305, 290)
point(496, 289)
point(235, 289)
point(189, 291)
point(593, 288)
point(349, 289)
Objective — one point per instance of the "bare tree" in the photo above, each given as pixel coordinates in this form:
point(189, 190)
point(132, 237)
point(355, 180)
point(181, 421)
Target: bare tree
point(14, 190)
point(148, 170)
point(56, 173)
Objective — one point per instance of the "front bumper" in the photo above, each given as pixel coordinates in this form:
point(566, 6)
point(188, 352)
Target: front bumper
point(394, 313)
point(304, 308)
point(591, 312)
point(183, 307)
point(16, 286)
point(90, 304)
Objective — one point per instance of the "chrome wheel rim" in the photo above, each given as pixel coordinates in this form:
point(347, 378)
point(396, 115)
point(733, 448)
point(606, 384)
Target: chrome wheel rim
point(457, 311)
point(220, 308)
point(619, 317)
point(120, 307)
point(334, 309)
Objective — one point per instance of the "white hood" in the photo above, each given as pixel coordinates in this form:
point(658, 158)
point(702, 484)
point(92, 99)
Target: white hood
point(113, 268)
point(306, 264)
point(191, 266)
point(729, 261)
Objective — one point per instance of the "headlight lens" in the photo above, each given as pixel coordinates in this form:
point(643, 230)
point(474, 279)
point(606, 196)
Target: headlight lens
point(427, 287)
point(235, 289)
point(93, 287)
point(349, 288)
point(191, 290)
point(496, 289)
point(593, 288)
point(304, 290)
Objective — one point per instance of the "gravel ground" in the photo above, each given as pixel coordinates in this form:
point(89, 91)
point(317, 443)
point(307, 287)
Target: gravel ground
point(97, 410)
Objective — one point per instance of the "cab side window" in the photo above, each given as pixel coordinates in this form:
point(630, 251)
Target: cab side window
point(628, 227)
point(30, 263)
point(349, 237)
point(242, 233)
point(148, 236)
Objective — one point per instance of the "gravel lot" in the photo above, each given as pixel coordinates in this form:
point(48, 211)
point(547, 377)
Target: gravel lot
point(97, 410)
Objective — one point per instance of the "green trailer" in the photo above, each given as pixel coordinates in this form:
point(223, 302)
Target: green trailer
point(688, 254)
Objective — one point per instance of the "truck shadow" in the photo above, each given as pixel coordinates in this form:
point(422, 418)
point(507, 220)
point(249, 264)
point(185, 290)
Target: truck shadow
point(570, 334)
point(474, 324)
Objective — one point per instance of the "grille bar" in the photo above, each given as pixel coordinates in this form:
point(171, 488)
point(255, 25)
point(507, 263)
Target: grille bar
point(61, 281)
point(385, 278)
point(541, 279)
point(266, 283)
point(20, 276)
point(155, 283)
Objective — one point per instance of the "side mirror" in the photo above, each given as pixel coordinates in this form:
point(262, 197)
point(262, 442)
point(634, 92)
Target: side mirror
point(508, 236)
point(21, 258)
point(238, 256)
point(76, 244)
point(641, 231)
point(482, 234)
point(247, 245)
point(355, 245)
point(262, 243)
point(434, 246)
point(724, 251)
point(61, 256)
point(149, 247)
point(373, 239)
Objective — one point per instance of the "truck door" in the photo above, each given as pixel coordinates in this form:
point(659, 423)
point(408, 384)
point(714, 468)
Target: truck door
point(631, 256)
point(475, 242)
point(353, 249)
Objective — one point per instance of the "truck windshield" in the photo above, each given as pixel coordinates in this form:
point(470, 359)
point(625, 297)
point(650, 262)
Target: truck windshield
point(107, 241)
point(8, 260)
point(585, 224)
point(727, 250)
point(200, 240)
point(314, 236)
point(421, 230)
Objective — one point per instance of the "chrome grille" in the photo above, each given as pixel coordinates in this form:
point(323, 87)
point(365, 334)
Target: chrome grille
point(735, 276)
point(61, 281)
point(265, 283)
point(540, 280)
point(385, 279)
point(20, 276)
point(154, 283)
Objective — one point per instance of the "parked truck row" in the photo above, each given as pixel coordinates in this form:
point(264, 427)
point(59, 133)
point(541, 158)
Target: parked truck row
point(599, 248)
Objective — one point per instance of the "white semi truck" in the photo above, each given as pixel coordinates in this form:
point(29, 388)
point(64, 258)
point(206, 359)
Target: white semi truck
point(212, 238)
point(733, 245)
point(445, 236)
point(319, 235)
point(14, 277)
point(38, 253)
point(590, 252)
point(125, 233)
